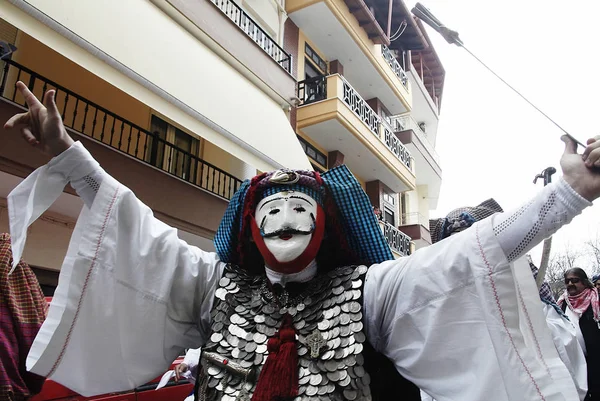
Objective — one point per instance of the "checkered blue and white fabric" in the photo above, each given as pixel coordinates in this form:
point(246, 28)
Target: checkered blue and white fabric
point(227, 234)
point(358, 220)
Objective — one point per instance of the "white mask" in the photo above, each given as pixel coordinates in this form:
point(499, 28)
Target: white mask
point(286, 221)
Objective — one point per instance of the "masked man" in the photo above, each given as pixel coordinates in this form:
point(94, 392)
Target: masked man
point(301, 287)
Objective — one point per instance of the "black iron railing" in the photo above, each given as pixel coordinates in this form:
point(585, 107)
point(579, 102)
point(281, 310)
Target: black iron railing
point(255, 32)
point(104, 126)
point(396, 239)
point(312, 90)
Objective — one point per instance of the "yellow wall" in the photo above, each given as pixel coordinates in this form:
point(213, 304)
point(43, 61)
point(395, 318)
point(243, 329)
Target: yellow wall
point(302, 40)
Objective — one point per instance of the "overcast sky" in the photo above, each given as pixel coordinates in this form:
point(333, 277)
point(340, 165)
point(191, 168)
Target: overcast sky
point(491, 143)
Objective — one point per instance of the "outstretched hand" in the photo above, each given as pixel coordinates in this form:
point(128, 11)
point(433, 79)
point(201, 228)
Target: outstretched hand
point(582, 171)
point(41, 126)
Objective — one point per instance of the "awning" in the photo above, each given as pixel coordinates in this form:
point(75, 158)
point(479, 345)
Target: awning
point(146, 54)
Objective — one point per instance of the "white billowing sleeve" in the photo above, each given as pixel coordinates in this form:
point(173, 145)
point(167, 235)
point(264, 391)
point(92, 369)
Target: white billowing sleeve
point(520, 230)
point(131, 294)
point(450, 316)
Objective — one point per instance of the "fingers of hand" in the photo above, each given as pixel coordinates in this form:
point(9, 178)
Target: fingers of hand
point(18, 120)
point(29, 97)
point(29, 137)
point(591, 153)
point(570, 145)
point(50, 103)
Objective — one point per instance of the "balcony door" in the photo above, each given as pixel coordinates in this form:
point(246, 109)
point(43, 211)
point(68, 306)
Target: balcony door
point(173, 150)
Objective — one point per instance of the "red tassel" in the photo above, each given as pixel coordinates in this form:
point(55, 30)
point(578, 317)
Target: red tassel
point(279, 376)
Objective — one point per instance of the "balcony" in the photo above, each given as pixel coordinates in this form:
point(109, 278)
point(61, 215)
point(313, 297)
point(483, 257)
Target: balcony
point(367, 61)
point(416, 226)
point(427, 161)
point(334, 115)
point(109, 129)
point(396, 239)
point(255, 32)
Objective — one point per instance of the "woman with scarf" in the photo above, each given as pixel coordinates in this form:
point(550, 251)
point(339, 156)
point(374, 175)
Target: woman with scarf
point(580, 304)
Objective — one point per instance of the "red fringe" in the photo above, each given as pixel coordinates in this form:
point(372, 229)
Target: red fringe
point(279, 376)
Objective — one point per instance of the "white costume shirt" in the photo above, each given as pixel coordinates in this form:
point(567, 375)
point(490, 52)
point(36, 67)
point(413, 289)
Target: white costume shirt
point(132, 295)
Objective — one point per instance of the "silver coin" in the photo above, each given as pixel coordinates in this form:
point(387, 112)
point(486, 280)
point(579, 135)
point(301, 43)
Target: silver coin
point(356, 294)
point(343, 375)
point(300, 307)
point(350, 394)
point(322, 390)
point(357, 284)
point(346, 381)
point(221, 293)
point(292, 311)
point(359, 371)
point(259, 318)
point(327, 355)
point(216, 337)
point(303, 380)
point(313, 367)
point(213, 370)
point(344, 319)
point(235, 290)
point(360, 359)
point(345, 331)
point(356, 326)
point(355, 317)
point(331, 365)
point(333, 376)
point(328, 314)
point(235, 353)
point(218, 326)
point(354, 307)
point(350, 361)
point(268, 309)
point(250, 347)
point(299, 325)
point(323, 325)
point(233, 340)
point(270, 331)
point(246, 364)
point(258, 358)
point(224, 282)
point(337, 290)
point(366, 380)
point(348, 295)
point(303, 372)
point(229, 390)
point(302, 351)
point(339, 353)
point(362, 269)
point(315, 380)
point(335, 332)
point(358, 348)
point(212, 383)
point(259, 338)
point(311, 390)
point(360, 337)
point(270, 321)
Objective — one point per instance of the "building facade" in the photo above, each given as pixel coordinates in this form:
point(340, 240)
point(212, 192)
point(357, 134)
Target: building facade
point(183, 100)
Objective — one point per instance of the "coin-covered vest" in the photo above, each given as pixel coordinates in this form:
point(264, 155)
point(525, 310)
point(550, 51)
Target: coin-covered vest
point(327, 317)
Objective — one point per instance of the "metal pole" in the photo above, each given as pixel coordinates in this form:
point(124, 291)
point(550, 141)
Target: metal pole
point(546, 174)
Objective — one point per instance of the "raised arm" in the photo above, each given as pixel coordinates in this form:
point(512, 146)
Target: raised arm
point(131, 294)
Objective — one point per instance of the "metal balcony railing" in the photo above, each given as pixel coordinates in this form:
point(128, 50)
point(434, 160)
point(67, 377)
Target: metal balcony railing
point(396, 239)
point(104, 126)
point(315, 89)
point(415, 218)
point(406, 122)
point(255, 32)
point(389, 57)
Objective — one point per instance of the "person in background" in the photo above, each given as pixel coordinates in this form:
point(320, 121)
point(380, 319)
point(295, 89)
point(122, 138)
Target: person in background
point(22, 312)
point(580, 303)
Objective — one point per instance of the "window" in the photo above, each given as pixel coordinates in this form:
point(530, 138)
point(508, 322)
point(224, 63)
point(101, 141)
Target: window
point(389, 207)
point(315, 59)
point(309, 70)
point(173, 150)
point(312, 152)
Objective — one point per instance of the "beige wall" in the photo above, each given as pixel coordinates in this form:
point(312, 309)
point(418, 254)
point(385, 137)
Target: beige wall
point(45, 61)
point(48, 238)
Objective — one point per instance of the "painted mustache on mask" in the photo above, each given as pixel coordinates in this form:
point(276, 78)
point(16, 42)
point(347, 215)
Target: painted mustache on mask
point(287, 230)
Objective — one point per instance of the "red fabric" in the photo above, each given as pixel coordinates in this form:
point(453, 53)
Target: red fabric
point(580, 303)
point(22, 312)
point(278, 378)
point(309, 254)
